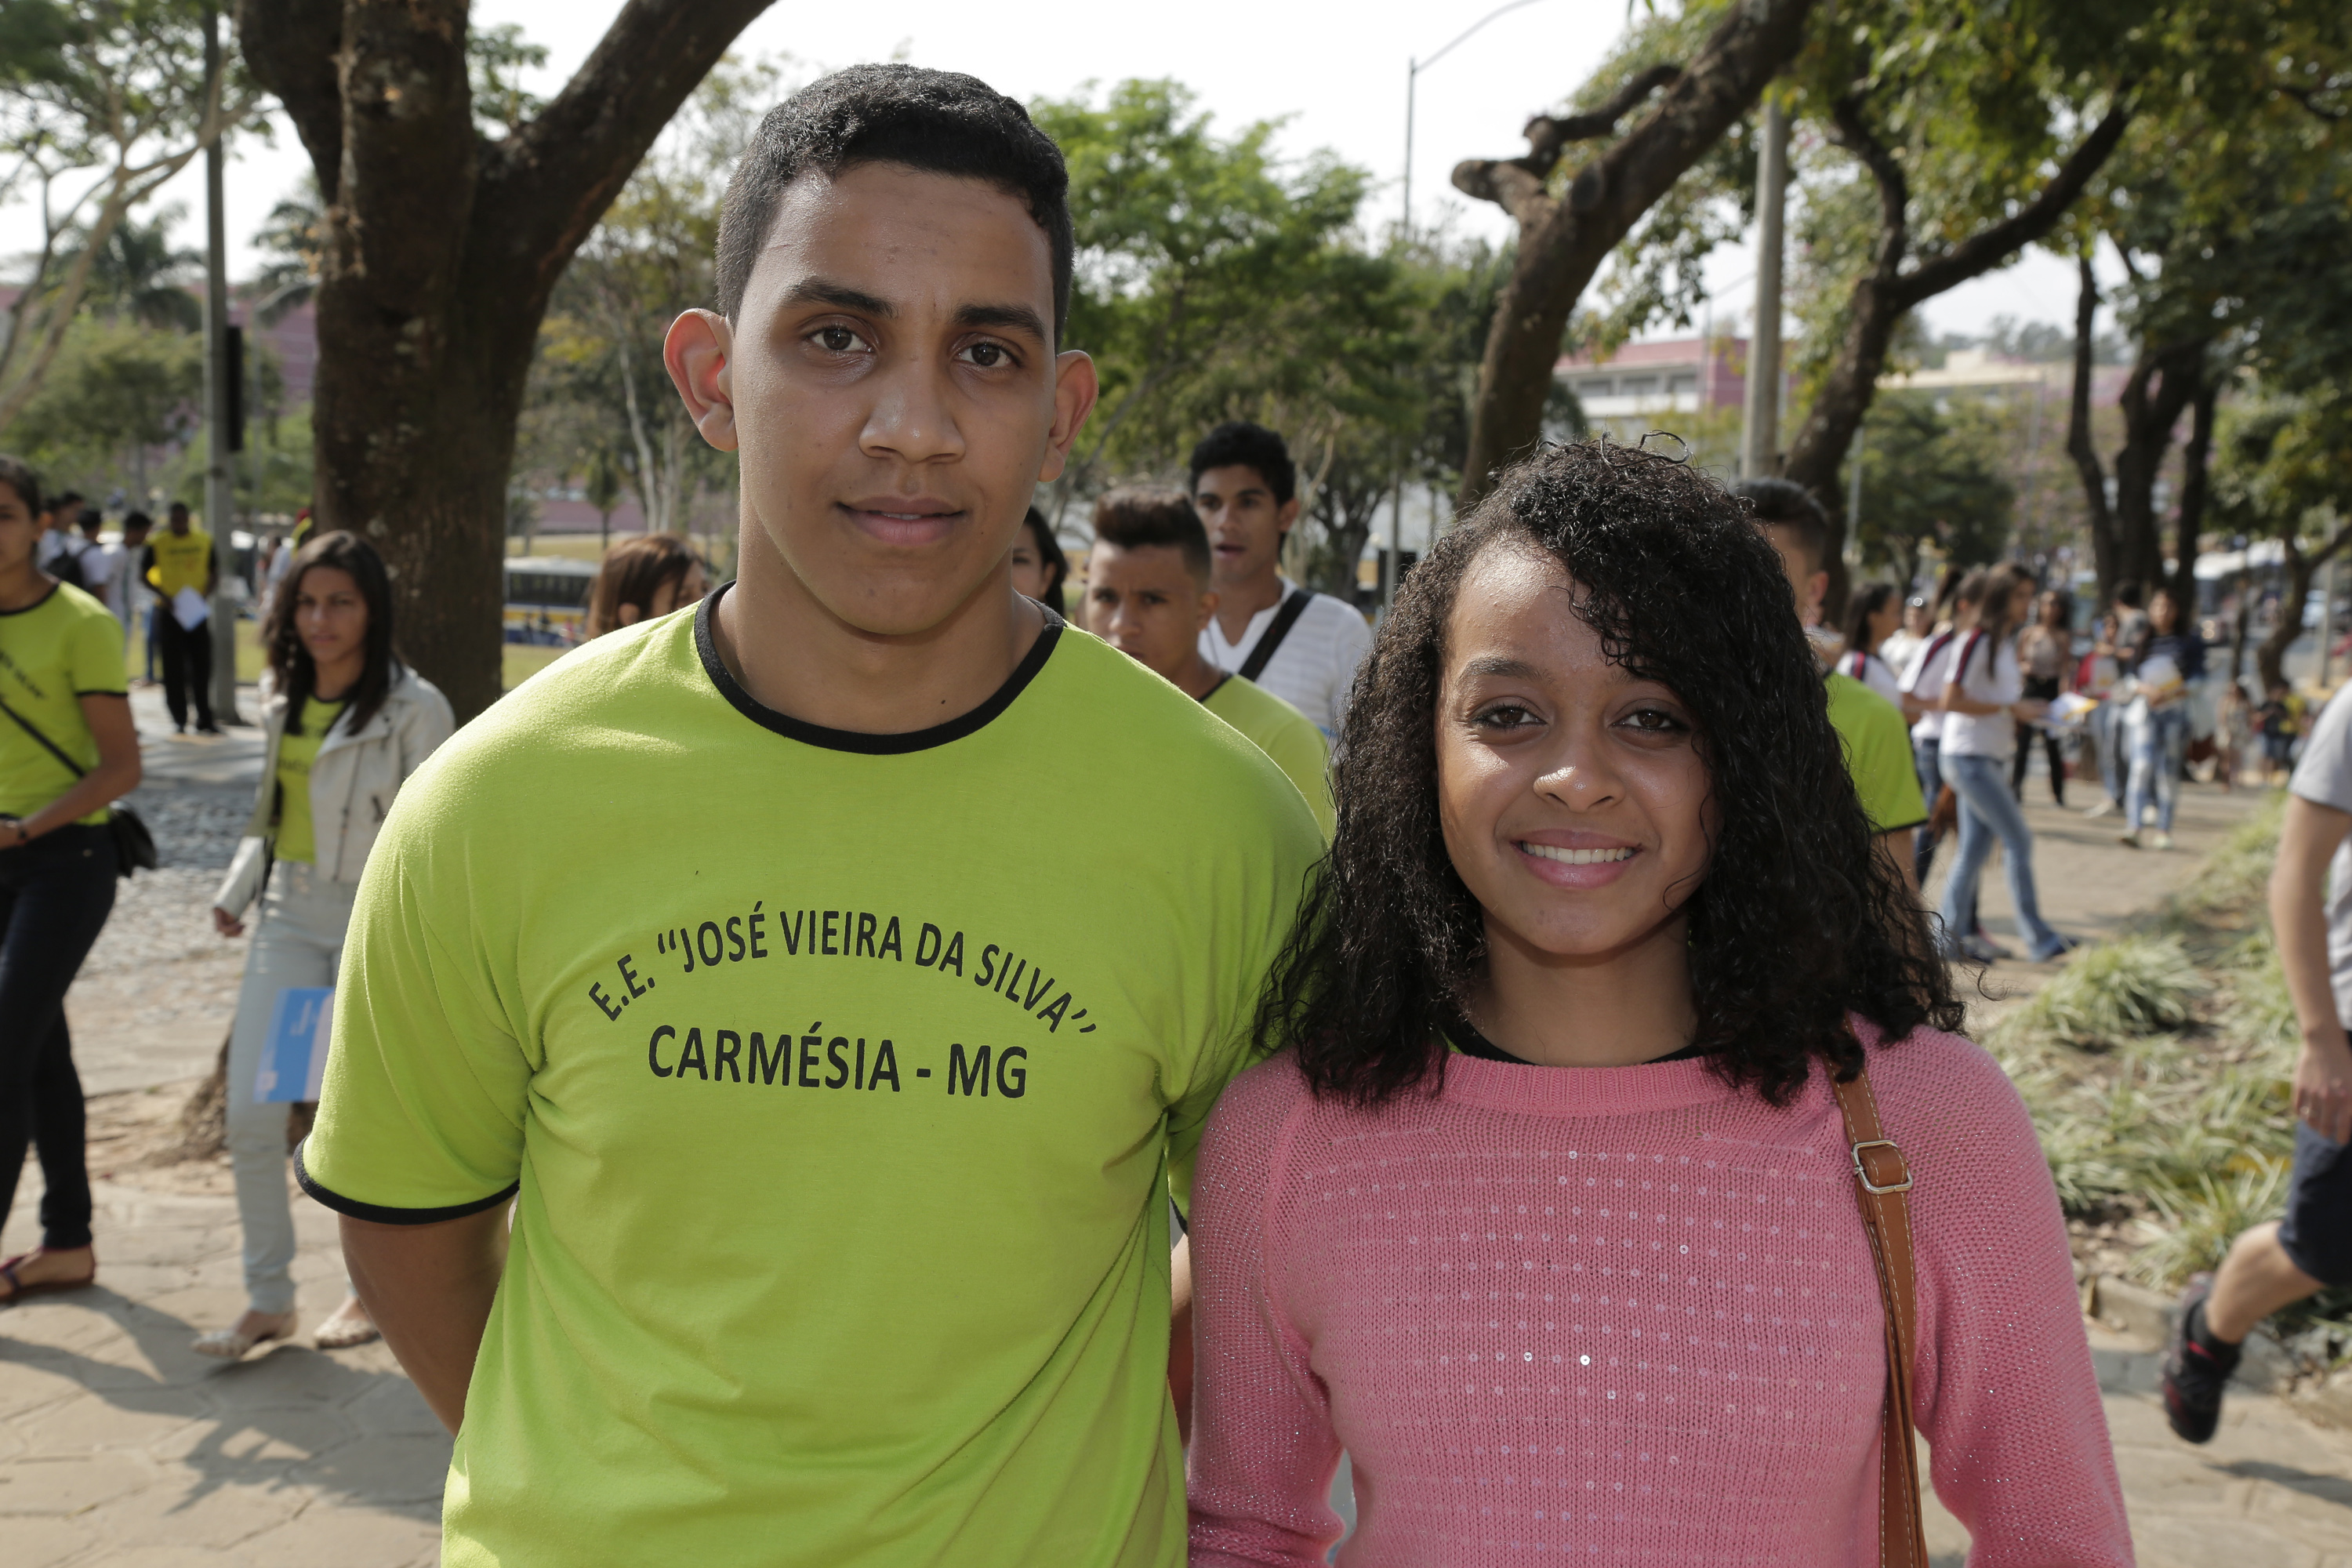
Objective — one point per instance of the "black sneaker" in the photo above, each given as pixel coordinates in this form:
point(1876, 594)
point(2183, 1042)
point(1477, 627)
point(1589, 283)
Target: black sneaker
point(2196, 1368)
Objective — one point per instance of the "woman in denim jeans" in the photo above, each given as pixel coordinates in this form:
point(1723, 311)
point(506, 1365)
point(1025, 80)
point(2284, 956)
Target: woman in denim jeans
point(2169, 659)
point(1982, 699)
point(67, 750)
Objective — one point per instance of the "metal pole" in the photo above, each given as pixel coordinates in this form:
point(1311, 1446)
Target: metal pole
point(2327, 622)
point(1759, 443)
point(220, 515)
point(1412, 79)
point(1854, 503)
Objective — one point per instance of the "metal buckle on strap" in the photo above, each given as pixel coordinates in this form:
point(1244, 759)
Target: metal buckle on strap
point(1862, 1174)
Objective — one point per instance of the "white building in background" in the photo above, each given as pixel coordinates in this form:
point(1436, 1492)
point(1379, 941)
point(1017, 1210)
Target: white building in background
point(1641, 381)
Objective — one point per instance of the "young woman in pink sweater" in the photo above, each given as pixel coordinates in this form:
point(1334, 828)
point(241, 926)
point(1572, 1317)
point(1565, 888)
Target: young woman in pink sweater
point(1546, 1216)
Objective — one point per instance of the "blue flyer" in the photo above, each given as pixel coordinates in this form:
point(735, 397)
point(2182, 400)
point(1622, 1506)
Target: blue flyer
point(294, 1057)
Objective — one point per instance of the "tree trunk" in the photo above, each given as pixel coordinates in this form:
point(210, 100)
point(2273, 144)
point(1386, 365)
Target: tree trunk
point(2270, 659)
point(2189, 521)
point(1887, 293)
point(442, 250)
point(2161, 386)
point(2100, 517)
point(1564, 239)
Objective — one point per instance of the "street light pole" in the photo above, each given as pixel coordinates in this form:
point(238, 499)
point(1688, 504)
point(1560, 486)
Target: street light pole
point(1759, 445)
point(219, 508)
point(1412, 70)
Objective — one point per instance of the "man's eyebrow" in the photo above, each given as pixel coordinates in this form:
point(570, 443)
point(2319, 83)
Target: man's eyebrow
point(818, 291)
point(1016, 318)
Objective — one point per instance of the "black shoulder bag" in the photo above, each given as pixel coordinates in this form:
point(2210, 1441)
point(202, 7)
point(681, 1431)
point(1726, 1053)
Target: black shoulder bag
point(1284, 619)
point(134, 847)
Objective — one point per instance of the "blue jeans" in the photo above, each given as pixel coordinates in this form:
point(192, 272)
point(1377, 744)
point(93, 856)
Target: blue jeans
point(1989, 811)
point(1931, 784)
point(2107, 726)
point(2159, 737)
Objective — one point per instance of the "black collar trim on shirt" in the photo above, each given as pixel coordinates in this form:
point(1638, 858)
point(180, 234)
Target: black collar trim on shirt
point(28, 609)
point(1203, 698)
point(1465, 1037)
point(810, 734)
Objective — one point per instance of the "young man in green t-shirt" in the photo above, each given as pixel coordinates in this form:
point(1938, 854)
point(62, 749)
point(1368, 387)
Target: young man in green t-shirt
point(839, 1117)
point(1148, 595)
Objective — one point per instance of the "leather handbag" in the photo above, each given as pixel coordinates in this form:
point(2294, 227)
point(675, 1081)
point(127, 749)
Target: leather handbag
point(1882, 1186)
point(134, 847)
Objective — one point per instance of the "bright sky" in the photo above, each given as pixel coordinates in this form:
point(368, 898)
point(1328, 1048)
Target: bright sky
point(1339, 84)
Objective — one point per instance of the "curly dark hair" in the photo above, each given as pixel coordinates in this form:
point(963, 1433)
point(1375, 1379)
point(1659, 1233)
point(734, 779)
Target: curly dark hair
point(1798, 919)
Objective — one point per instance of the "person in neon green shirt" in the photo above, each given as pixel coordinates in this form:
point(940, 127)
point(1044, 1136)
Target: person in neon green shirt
point(1148, 595)
point(181, 557)
point(838, 1128)
point(1877, 741)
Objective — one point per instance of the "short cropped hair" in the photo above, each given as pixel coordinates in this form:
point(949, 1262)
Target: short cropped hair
point(1777, 503)
point(19, 476)
point(940, 122)
point(1237, 442)
point(1138, 519)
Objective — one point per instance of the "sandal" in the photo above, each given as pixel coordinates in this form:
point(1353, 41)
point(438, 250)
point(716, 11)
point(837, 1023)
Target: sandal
point(20, 1289)
point(342, 1333)
point(229, 1344)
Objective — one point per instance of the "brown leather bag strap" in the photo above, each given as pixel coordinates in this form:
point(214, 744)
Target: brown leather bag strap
point(1882, 1182)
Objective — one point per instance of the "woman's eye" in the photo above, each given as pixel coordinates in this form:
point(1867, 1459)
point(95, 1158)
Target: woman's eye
point(988, 356)
point(837, 339)
point(1654, 721)
point(1504, 716)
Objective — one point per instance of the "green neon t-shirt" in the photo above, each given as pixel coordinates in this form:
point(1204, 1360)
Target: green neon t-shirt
point(1877, 754)
point(53, 653)
point(297, 838)
point(1283, 733)
point(840, 1115)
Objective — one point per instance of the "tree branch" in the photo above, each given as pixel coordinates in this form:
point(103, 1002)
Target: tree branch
point(1981, 252)
point(291, 45)
point(1850, 130)
point(1510, 183)
point(549, 183)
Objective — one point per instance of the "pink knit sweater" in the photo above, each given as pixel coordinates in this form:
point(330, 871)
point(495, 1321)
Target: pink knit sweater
point(1627, 1315)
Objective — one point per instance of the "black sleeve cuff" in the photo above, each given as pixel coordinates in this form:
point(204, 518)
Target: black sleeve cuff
point(1905, 828)
point(378, 1214)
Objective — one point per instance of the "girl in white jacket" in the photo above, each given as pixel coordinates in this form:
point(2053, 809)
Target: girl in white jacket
point(347, 724)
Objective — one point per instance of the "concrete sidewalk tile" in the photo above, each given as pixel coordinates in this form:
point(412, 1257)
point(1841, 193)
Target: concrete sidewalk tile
point(44, 1542)
point(26, 1388)
point(2164, 1543)
point(268, 1439)
point(64, 1486)
point(394, 1409)
point(287, 1376)
point(382, 1469)
point(346, 1537)
point(96, 1422)
point(59, 1322)
point(187, 1512)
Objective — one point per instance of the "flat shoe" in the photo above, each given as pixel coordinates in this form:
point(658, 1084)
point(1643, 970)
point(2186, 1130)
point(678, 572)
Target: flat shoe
point(343, 1334)
point(228, 1344)
point(19, 1289)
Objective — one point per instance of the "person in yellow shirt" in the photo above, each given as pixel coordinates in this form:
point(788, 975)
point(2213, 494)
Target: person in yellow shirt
point(1148, 595)
point(182, 557)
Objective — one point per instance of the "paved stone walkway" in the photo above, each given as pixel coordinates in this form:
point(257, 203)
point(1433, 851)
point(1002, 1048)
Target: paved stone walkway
point(119, 1447)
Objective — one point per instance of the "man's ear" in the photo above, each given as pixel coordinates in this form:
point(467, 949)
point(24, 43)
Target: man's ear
point(1287, 515)
point(698, 350)
point(1817, 588)
point(1076, 387)
point(1208, 609)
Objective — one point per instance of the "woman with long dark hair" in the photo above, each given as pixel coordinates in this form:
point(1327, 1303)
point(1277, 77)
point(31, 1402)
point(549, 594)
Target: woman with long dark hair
point(1546, 1214)
point(644, 579)
point(347, 722)
point(1039, 567)
point(1871, 613)
point(67, 750)
point(2168, 660)
point(2046, 651)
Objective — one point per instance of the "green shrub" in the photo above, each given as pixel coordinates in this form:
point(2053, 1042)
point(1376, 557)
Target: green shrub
point(2132, 986)
point(2261, 1011)
point(2203, 1216)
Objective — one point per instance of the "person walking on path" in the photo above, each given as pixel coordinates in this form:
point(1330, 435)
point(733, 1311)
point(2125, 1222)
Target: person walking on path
point(1922, 684)
point(68, 751)
point(644, 579)
point(1983, 694)
point(886, 1280)
point(2276, 1265)
point(1302, 645)
point(1873, 612)
point(1148, 595)
point(346, 724)
point(2097, 678)
point(2165, 664)
point(1039, 568)
point(1547, 1215)
point(180, 559)
point(2046, 650)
